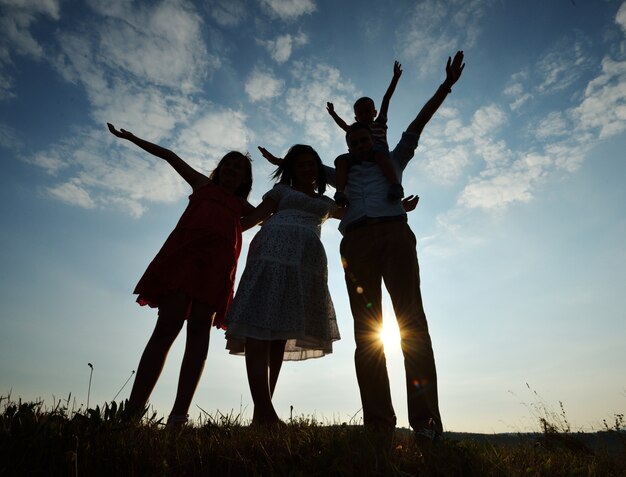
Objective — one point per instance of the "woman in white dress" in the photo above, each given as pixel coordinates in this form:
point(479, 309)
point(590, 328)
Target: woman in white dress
point(282, 309)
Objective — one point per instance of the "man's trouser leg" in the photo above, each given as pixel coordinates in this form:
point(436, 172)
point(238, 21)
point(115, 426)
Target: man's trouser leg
point(363, 260)
point(402, 280)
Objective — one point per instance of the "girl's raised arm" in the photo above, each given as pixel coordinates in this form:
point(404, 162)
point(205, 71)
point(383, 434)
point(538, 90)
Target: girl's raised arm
point(194, 178)
point(259, 214)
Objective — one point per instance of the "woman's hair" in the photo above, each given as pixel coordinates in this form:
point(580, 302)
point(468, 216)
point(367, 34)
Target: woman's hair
point(244, 189)
point(285, 171)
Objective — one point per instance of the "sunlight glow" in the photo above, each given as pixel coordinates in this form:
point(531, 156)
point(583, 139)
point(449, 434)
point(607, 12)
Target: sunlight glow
point(390, 335)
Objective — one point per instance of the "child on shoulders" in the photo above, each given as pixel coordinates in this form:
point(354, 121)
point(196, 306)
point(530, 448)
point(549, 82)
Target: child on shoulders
point(365, 113)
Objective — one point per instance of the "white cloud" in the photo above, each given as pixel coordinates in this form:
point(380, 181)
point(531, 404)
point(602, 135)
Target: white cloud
point(147, 110)
point(281, 48)
point(497, 192)
point(451, 145)
point(133, 207)
point(487, 120)
point(559, 141)
point(498, 188)
point(316, 84)
point(140, 66)
point(570, 153)
point(72, 193)
point(48, 7)
point(444, 163)
point(516, 89)
point(263, 85)
point(434, 29)
point(100, 170)
point(16, 20)
point(620, 18)
point(520, 101)
point(52, 160)
point(557, 69)
point(16, 34)
point(553, 125)
point(289, 9)
point(563, 65)
point(604, 105)
point(212, 135)
point(145, 39)
point(8, 137)
point(227, 12)
point(17, 17)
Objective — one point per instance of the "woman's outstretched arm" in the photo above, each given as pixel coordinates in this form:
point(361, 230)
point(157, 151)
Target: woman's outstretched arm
point(259, 214)
point(194, 178)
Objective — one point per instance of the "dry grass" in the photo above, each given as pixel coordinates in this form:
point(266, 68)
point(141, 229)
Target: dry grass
point(106, 441)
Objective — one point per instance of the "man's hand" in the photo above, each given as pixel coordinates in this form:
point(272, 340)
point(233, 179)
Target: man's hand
point(410, 202)
point(454, 68)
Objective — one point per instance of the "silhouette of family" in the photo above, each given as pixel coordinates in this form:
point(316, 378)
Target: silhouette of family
point(282, 309)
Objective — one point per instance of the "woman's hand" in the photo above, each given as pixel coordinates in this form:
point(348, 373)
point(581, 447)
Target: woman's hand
point(272, 159)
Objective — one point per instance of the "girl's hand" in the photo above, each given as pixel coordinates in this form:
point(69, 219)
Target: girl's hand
point(272, 159)
point(122, 133)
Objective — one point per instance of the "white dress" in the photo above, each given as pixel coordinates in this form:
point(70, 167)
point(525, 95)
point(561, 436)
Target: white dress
point(283, 291)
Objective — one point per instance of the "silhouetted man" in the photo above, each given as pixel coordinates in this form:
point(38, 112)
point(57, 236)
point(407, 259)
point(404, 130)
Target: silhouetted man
point(378, 246)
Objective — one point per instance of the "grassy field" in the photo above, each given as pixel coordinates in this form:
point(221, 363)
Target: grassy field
point(35, 440)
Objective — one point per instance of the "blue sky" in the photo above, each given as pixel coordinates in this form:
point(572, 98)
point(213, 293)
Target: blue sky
point(521, 224)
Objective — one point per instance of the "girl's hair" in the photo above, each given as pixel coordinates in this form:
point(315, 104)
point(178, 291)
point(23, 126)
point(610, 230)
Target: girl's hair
point(285, 171)
point(244, 189)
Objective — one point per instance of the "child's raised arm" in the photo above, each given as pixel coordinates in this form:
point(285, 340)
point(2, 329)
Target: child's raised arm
point(330, 107)
point(384, 105)
point(194, 178)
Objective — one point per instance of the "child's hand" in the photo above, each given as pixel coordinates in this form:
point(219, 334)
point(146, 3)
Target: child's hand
point(272, 159)
point(122, 133)
point(410, 202)
point(330, 107)
point(397, 70)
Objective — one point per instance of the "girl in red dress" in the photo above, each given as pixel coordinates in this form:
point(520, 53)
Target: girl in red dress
point(192, 276)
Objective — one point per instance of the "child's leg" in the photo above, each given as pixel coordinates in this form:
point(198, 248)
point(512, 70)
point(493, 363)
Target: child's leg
point(341, 178)
point(396, 192)
point(199, 324)
point(257, 366)
point(171, 318)
point(382, 159)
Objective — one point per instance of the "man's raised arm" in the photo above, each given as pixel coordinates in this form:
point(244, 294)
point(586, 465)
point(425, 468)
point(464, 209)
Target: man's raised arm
point(454, 68)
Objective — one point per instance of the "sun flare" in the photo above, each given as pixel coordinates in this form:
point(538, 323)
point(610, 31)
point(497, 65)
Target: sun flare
point(390, 335)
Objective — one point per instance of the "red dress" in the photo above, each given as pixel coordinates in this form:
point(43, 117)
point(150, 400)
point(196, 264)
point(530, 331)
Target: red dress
point(199, 258)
